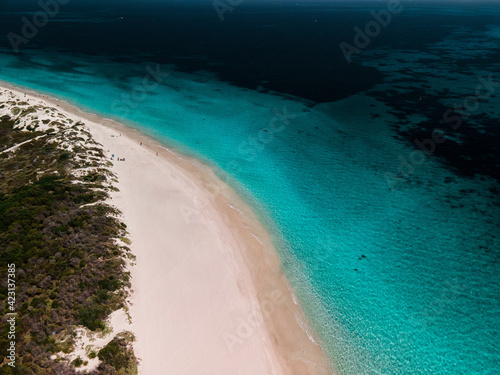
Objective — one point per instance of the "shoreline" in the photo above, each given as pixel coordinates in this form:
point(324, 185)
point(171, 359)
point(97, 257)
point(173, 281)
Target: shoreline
point(254, 318)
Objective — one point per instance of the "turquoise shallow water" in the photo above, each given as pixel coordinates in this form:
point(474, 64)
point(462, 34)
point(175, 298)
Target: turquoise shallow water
point(397, 279)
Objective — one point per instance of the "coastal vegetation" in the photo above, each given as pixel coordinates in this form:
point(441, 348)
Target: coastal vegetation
point(66, 244)
point(118, 356)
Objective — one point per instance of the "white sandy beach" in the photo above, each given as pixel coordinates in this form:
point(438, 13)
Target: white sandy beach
point(208, 295)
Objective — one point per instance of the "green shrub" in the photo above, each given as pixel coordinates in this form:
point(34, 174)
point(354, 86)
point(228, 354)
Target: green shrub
point(77, 362)
point(92, 318)
point(119, 354)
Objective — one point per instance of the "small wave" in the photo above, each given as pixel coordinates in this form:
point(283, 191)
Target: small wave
point(257, 238)
point(303, 325)
point(173, 153)
point(234, 208)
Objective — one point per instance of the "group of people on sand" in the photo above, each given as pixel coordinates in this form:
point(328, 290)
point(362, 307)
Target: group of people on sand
point(122, 159)
point(39, 96)
point(118, 159)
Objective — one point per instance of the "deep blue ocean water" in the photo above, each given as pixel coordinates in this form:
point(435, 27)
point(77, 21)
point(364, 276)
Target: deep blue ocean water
point(393, 253)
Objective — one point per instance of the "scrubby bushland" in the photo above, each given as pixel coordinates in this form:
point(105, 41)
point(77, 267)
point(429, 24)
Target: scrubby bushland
point(61, 236)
